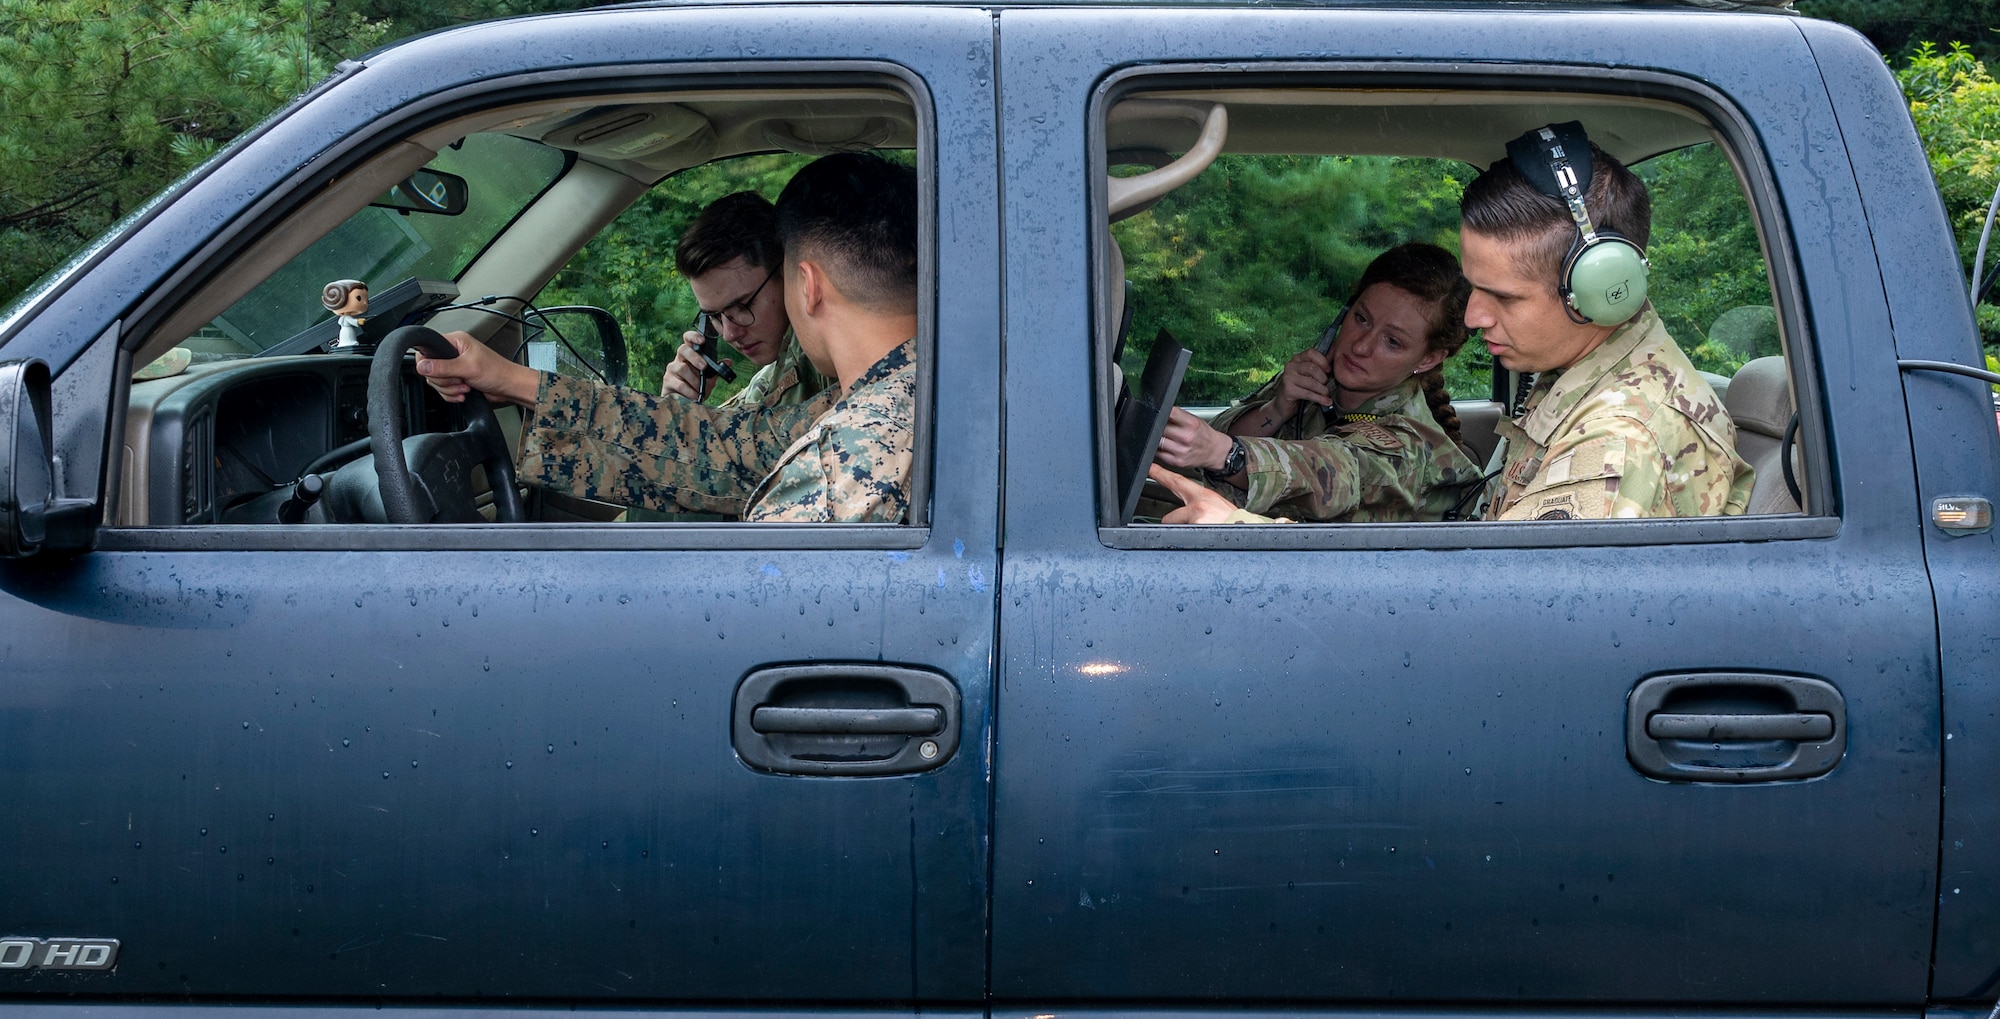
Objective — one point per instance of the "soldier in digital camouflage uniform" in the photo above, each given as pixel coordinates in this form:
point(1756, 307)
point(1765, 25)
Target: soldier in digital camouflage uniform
point(1383, 455)
point(834, 458)
point(848, 222)
point(1619, 423)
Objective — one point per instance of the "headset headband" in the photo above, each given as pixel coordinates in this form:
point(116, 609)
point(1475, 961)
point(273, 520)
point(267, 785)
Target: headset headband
point(1556, 160)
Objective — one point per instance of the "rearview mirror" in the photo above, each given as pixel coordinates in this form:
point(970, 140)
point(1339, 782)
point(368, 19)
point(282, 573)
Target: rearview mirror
point(32, 518)
point(432, 191)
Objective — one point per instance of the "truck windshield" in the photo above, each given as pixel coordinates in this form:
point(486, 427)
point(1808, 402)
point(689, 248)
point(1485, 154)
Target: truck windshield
point(382, 246)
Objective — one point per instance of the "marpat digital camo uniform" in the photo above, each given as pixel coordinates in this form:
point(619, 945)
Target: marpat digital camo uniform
point(853, 464)
point(1631, 430)
point(1387, 460)
point(831, 458)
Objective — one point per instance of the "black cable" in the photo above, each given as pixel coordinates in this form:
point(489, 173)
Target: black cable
point(482, 305)
point(1472, 488)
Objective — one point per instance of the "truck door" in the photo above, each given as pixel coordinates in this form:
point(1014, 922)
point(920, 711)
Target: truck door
point(542, 762)
point(1436, 762)
point(1957, 460)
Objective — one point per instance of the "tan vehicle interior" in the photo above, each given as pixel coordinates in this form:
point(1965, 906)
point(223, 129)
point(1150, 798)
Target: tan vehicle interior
point(624, 144)
point(1198, 125)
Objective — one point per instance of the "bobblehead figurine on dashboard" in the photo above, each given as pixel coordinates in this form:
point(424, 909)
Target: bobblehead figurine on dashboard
point(349, 300)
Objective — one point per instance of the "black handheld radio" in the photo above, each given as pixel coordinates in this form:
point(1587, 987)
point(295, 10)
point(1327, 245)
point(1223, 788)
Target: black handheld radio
point(711, 366)
point(1325, 346)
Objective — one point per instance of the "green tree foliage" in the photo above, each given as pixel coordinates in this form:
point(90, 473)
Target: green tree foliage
point(1956, 105)
point(1898, 27)
point(1247, 263)
point(1706, 260)
point(105, 102)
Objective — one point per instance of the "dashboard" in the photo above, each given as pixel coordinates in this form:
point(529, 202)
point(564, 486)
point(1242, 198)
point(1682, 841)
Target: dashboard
point(225, 442)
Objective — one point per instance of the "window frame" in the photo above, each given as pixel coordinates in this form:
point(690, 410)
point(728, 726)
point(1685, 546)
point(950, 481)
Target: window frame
point(273, 208)
point(1737, 139)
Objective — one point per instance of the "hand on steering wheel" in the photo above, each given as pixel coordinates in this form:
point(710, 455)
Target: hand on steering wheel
point(427, 478)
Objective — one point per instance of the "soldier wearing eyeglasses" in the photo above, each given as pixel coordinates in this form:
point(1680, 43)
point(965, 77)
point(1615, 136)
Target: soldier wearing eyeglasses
point(732, 259)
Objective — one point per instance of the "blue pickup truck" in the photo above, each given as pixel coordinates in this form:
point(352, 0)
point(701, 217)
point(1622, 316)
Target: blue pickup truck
point(265, 744)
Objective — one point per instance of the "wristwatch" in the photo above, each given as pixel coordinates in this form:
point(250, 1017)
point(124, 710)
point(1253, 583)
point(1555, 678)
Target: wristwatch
point(1232, 464)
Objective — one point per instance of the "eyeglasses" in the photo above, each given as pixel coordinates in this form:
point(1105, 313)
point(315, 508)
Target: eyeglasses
point(737, 312)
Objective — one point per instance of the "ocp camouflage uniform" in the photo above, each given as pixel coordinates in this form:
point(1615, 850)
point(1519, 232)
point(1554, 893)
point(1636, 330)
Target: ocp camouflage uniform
point(829, 459)
point(789, 380)
point(1387, 460)
point(1632, 430)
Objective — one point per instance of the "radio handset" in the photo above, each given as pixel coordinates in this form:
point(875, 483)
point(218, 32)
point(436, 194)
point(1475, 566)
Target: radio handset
point(1325, 347)
point(711, 366)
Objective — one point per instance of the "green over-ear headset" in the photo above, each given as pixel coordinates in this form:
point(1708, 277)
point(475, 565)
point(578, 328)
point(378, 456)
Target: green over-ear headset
point(1603, 276)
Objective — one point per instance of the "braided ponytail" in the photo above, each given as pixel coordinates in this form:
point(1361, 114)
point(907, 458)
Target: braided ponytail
point(1440, 400)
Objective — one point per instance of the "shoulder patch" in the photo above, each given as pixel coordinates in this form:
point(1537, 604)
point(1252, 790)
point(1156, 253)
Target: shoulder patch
point(1374, 434)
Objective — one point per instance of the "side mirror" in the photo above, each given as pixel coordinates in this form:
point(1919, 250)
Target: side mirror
point(432, 191)
point(578, 341)
point(32, 518)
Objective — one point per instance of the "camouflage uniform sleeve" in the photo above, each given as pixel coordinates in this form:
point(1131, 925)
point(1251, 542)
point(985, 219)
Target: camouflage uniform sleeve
point(1613, 466)
point(853, 467)
point(1246, 517)
point(755, 391)
point(1326, 477)
point(1262, 396)
point(623, 446)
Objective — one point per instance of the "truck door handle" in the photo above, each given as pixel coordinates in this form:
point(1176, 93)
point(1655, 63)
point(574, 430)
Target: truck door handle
point(861, 718)
point(1734, 727)
point(849, 721)
point(1792, 726)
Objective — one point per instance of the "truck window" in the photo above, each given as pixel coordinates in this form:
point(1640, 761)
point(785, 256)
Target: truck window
point(1248, 260)
point(548, 231)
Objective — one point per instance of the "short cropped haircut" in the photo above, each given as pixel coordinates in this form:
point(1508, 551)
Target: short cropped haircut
point(742, 225)
point(855, 214)
point(1501, 204)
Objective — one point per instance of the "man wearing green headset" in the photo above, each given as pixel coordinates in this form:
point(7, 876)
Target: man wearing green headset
point(1619, 423)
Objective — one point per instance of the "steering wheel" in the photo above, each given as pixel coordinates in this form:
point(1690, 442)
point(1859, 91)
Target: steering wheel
point(427, 479)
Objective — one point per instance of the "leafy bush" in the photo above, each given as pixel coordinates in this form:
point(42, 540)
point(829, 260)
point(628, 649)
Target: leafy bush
point(1956, 105)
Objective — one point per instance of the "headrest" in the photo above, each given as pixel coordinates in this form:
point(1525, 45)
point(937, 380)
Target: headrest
point(1760, 397)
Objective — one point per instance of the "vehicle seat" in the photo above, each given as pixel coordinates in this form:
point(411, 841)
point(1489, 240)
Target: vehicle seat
point(1760, 402)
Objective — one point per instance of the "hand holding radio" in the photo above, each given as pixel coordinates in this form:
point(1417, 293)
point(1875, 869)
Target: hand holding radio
point(695, 363)
point(1307, 382)
point(712, 367)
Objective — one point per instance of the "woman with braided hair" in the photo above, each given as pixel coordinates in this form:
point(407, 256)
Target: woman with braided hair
point(1363, 432)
